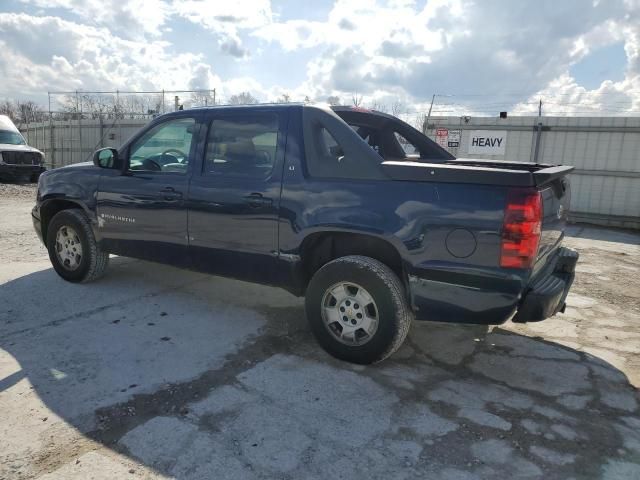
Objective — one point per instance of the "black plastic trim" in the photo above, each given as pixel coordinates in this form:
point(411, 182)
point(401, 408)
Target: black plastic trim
point(547, 296)
point(438, 172)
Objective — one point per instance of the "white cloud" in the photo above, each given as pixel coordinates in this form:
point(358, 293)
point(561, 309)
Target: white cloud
point(382, 50)
point(226, 20)
point(83, 57)
point(130, 19)
point(365, 24)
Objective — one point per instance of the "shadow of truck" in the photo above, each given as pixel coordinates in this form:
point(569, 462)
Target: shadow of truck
point(203, 377)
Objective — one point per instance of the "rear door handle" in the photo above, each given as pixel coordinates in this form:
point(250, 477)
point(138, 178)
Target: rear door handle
point(170, 194)
point(256, 200)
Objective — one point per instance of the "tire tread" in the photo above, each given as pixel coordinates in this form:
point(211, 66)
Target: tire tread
point(98, 260)
point(404, 314)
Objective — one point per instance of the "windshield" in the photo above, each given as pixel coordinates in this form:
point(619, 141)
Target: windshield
point(11, 138)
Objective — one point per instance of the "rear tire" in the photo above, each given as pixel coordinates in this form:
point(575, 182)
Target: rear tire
point(73, 250)
point(346, 328)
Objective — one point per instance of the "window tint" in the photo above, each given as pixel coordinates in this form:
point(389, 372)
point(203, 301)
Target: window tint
point(328, 147)
point(333, 150)
point(165, 148)
point(243, 145)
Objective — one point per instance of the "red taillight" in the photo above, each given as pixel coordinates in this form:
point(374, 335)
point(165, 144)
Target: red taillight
point(521, 228)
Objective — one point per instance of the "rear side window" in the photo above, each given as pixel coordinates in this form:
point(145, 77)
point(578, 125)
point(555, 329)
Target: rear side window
point(334, 150)
point(408, 147)
point(328, 147)
point(242, 146)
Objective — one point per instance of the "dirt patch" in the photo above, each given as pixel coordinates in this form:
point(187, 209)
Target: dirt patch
point(18, 190)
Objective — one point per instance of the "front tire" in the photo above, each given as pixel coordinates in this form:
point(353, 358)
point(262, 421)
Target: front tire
point(73, 250)
point(357, 309)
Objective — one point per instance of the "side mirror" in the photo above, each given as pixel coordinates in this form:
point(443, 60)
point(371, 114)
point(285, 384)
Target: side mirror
point(106, 158)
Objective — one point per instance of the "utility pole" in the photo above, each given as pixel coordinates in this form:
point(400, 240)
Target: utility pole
point(176, 101)
point(51, 150)
point(426, 120)
point(540, 108)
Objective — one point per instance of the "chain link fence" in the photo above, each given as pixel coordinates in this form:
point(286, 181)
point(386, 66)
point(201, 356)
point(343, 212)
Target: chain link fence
point(78, 123)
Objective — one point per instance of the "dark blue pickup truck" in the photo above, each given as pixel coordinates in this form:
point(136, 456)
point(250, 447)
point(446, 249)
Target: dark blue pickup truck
point(362, 214)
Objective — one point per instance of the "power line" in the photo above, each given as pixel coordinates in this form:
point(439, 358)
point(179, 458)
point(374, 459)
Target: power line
point(536, 94)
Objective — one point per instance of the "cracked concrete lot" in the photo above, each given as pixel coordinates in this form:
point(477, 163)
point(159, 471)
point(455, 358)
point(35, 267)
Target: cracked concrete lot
point(156, 373)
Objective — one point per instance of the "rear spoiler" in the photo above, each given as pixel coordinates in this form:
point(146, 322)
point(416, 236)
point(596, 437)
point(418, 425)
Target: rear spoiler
point(549, 174)
point(480, 173)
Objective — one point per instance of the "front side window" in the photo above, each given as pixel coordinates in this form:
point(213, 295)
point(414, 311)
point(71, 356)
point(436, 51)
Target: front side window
point(242, 145)
point(165, 148)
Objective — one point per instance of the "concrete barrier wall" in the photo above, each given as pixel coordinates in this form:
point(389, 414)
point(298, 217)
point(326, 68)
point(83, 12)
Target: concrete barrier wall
point(72, 141)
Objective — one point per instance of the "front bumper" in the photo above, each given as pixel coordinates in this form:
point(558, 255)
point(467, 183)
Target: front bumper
point(547, 295)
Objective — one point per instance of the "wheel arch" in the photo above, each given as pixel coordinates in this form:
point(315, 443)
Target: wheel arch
point(51, 207)
point(319, 248)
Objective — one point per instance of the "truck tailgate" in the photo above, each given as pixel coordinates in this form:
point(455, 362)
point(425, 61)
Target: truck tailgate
point(556, 196)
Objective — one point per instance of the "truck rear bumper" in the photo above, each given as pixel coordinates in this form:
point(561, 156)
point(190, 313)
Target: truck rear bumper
point(547, 296)
point(492, 297)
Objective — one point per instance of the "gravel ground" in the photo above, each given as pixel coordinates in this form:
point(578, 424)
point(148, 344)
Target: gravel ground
point(10, 191)
point(16, 234)
point(156, 373)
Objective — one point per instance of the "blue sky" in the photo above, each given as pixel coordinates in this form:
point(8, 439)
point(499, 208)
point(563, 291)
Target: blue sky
point(602, 64)
point(491, 55)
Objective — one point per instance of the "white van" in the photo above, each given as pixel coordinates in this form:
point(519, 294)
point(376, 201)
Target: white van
point(18, 161)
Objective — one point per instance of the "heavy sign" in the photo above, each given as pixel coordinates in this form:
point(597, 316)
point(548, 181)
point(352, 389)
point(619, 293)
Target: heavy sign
point(488, 142)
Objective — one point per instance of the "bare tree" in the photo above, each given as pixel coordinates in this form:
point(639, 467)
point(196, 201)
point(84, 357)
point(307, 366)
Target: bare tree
point(109, 106)
point(9, 109)
point(284, 98)
point(334, 100)
point(203, 98)
point(22, 111)
point(379, 106)
point(243, 98)
point(356, 99)
point(397, 108)
point(421, 122)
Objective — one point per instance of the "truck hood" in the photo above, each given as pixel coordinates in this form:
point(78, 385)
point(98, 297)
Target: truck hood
point(82, 165)
point(8, 147)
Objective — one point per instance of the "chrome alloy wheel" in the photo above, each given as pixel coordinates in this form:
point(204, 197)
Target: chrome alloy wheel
point(68, 248)
point(349, 313)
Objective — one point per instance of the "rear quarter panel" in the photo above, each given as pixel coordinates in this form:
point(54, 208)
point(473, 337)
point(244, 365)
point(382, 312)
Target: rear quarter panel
point(448, 236)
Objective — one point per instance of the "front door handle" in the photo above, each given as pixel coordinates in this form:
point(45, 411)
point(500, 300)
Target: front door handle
point(256, 200)
point(170, 194)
